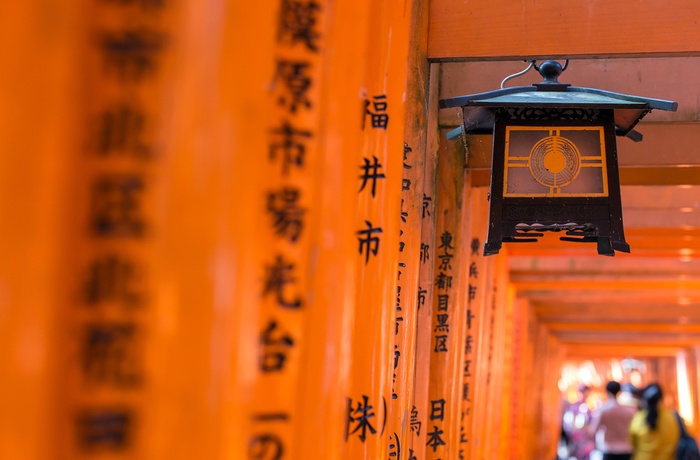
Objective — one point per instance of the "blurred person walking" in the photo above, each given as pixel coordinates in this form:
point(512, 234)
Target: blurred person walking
point(576, 421)
point(654, 430)
point(611, 424)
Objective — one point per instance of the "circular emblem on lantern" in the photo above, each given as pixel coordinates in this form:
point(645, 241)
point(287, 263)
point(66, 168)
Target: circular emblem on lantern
point(555, 161)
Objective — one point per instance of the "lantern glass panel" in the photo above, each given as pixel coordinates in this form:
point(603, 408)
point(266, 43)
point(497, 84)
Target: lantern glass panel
point(555, 161)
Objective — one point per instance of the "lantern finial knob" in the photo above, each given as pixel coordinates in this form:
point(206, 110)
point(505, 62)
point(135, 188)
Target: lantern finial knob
point(550, 71)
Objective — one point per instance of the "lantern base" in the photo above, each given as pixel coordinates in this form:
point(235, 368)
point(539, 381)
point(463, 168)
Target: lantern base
point(577, 233)
point(582, 219)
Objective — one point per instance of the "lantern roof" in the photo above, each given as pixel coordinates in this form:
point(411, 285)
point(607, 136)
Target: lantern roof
point(479, 109)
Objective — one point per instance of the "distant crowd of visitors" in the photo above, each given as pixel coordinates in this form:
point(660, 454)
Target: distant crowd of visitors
point(644, 431)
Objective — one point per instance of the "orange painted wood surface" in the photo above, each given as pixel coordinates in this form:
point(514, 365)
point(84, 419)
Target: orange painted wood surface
point(505, 446)
point(406, 311)
point(477, 281)
point(481, 304)
point(545, 408)
point(370, 430)
point(37, 143)
point(290, 170)
point(226, 157)
point(409, 265)
point(112, 233)
point(467, 327)
point(426, 280)
point(521, 360)
point(540, 436)
point(449, 307)
point(514, 29)
point(415, 208)
point(694, 378)
point(497, 370)
point(326, 361)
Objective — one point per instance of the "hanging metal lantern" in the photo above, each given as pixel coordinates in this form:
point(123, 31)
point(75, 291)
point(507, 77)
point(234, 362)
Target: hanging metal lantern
point(554, 165)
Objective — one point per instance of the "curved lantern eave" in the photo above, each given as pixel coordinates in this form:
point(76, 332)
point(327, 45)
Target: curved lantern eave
point(628, 109)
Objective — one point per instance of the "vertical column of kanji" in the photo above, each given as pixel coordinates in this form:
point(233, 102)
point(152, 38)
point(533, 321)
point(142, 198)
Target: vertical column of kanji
point(449, 308)
point(477, 280)
point(424, 295)
point(466, 330)
point(404, 331)
point(489, 395)
point(380, 185)
point(291, 167)
point(38, 131)
point(481, 279)
point(126, 51)
point(485, 376)
point(414, 204)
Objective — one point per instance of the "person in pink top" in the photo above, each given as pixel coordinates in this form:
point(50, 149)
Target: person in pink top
point(611, 424)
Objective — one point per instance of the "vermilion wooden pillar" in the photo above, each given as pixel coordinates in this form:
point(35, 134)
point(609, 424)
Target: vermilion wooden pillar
point(416, 208)
point(494, 366)
point(507, 382)
point(479, 278)
point(380, 172)
point(521, 360)
point(544, 410)
point(37, 143)
point(110, 307)
point(221, 335)
point(426, 279)
point(327, 357)
point(450, 290)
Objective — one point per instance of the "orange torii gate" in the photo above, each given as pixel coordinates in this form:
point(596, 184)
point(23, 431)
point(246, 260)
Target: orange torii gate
point(221, 241)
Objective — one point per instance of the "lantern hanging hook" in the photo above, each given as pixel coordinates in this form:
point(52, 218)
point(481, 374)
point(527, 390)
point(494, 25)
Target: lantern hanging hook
point(522, 72)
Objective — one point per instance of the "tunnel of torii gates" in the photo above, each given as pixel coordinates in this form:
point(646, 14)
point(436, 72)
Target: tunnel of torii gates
point(236, 230)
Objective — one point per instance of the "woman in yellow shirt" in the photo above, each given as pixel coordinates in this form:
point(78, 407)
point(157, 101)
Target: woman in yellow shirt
point(654, 430)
